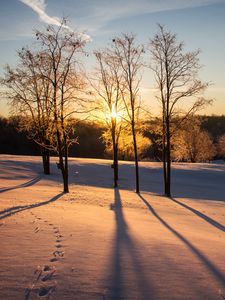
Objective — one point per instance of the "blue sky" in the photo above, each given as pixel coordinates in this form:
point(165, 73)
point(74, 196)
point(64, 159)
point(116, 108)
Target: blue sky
point(199, 23)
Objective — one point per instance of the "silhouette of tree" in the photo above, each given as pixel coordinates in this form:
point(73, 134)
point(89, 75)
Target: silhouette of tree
point(176, 75)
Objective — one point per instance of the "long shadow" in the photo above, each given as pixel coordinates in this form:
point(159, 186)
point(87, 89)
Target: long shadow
point(209, 265)
point(201, 215)
point(186, 183)
point(26, 184)
point(16, 209)
point(125, 249)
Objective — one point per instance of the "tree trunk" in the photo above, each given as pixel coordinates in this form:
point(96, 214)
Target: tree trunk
point(164, 157)
point(115, 157)
point(63, 163)
point(115, 164)
point(65, 177)
point(136, 159)
point(63, 167)
point(168, 160)
point(168, 167)
point(46, 160)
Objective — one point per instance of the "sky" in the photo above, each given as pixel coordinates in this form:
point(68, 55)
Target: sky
point(199, 23)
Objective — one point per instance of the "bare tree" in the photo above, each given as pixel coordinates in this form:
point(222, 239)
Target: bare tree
point(176, 75)
point(107, 84)
point(129, 55)
point(28, 93)
point(64, 48)
point(47, 88)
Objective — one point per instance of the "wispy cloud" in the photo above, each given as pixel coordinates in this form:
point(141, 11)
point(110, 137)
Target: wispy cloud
point(118, 8)
point(100, 12)
point(94, 15)
point(39, 7)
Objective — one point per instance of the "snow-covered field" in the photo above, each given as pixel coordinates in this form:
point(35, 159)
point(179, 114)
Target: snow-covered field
point(103, 243)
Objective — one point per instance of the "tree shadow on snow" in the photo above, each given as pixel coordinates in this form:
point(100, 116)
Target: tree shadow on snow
point(201, 215)
point(26, 184)
point(197, 183)
point(18, 166)
point(127, 267)
point(16, 209)
point(218, 275)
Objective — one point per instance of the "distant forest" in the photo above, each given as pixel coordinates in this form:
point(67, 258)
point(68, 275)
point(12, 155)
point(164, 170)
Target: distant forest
point(14, 141)
point(90, 143)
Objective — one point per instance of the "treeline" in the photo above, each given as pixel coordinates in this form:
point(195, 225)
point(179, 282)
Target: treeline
point(199, 139)
point(88, 136)
point(90, 142)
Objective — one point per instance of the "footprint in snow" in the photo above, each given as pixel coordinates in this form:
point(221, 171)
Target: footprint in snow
point(46, 291)
point(47, 268)
point(58, 253)
point(53, 259)
point(59, 236)
point(48, 276)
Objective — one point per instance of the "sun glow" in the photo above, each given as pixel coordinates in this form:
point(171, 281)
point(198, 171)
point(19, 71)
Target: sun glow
point(114, 115)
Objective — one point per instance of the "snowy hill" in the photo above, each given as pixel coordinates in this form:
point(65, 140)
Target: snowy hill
point(103, 243)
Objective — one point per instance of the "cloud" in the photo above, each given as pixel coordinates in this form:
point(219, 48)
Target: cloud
point(39, 7)
point(94, 15)
point(119, 8)
point(99, 12)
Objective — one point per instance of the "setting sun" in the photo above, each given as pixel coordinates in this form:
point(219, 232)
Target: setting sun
point(114, 115)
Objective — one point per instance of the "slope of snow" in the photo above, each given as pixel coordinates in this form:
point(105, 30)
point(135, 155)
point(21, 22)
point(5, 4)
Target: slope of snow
point(103, 243)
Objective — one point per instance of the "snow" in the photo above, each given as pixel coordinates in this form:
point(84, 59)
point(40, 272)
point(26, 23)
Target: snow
point(103, 243)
